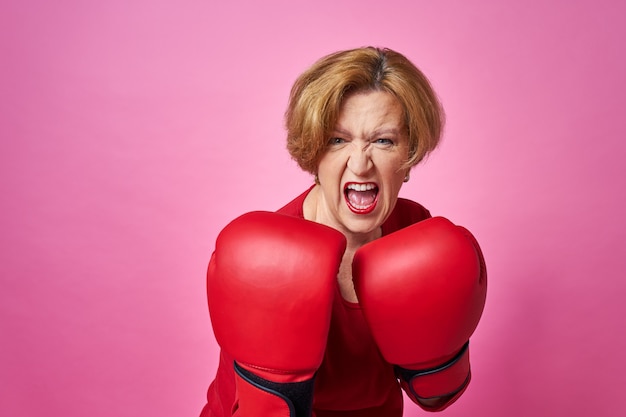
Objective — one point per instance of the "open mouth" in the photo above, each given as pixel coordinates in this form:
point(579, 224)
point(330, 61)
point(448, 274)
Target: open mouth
point(361, 197)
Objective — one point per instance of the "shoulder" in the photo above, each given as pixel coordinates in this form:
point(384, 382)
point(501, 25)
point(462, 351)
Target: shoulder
point(295, 207)
point(405, 213)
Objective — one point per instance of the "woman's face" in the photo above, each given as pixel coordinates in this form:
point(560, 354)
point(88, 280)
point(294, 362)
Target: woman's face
point(360, 174)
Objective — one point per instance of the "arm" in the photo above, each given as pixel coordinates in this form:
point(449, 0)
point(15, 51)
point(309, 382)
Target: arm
point(423, 290)
point(270, 285)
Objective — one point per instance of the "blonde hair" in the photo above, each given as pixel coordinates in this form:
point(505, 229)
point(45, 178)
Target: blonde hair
point(317, 95)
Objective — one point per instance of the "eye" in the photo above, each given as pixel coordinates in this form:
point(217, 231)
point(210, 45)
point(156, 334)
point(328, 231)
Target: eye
point(336, 141)
point(384, 141)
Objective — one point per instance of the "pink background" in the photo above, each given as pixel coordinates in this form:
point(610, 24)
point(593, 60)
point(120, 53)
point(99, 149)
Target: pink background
point(133, 131)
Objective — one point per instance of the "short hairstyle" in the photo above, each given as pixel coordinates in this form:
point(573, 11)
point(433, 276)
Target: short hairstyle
point(317, 95)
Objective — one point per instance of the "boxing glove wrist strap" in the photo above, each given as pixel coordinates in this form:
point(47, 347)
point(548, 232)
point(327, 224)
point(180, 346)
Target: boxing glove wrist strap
point(447, 380)
point(293, 399)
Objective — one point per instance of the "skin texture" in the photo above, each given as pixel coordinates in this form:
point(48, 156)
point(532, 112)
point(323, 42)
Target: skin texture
point(367, 146)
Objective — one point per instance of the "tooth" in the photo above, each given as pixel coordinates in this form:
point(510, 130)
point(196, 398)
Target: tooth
point(361, 187)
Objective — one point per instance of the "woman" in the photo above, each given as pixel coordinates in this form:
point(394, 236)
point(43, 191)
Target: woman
point(347, 294)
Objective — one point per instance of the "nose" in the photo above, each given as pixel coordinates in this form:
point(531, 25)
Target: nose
point(360, 159)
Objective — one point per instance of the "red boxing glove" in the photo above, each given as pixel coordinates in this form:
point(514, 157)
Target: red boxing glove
point(270, 284)
point(423, 290)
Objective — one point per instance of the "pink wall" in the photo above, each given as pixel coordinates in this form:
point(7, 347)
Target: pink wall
point(132, 131)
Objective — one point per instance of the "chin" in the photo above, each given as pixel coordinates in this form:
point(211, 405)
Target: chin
point(362, 226)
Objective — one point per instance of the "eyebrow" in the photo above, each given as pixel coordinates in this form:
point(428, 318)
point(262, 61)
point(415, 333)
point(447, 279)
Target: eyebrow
point(393, 131)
